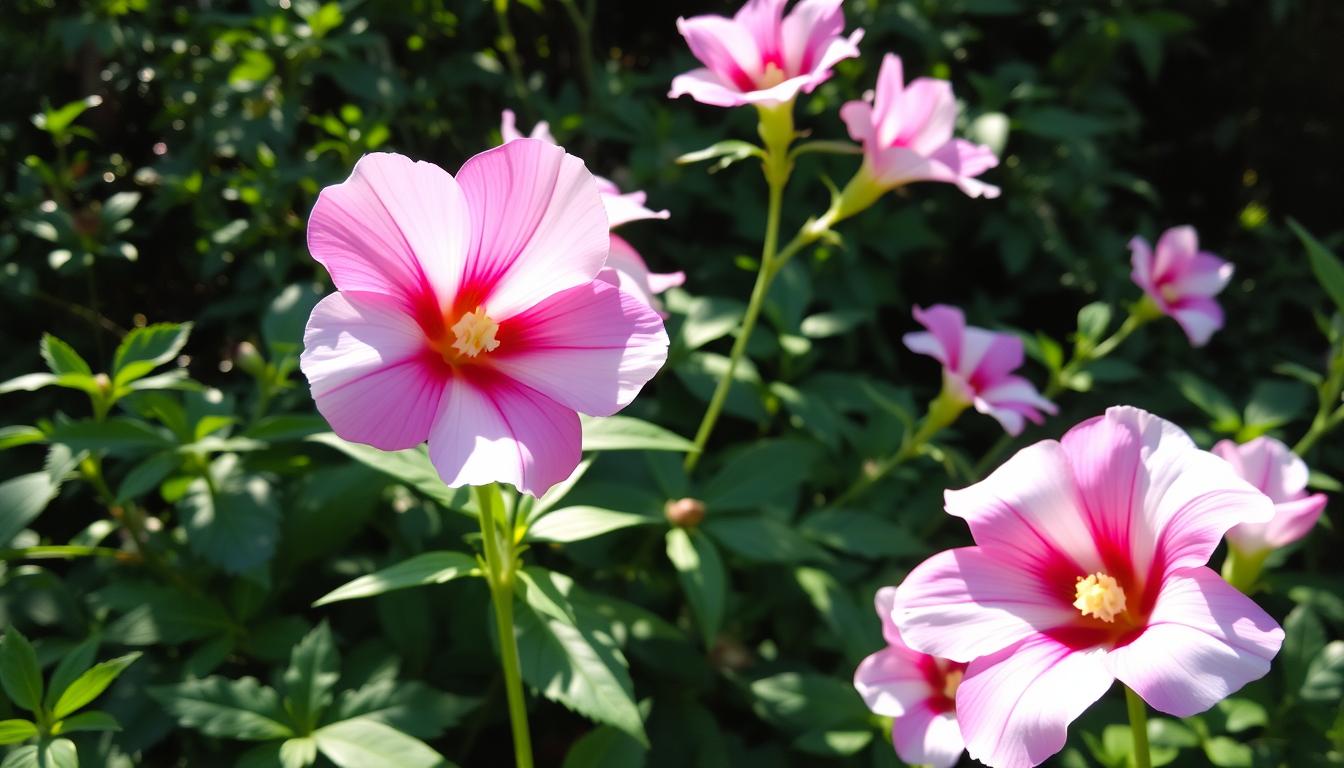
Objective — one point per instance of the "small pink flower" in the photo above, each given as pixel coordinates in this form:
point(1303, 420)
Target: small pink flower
point(917, 690)
point(1270, 466)
point(1089, 565)
point(978, 367)
point(906, 134)
point(1182, 281)
point(760, 56)
point(470, 313)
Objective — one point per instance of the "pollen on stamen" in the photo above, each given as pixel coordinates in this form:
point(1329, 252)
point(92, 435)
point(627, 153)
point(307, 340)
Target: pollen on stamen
point(1099, 595)
point(474, 333)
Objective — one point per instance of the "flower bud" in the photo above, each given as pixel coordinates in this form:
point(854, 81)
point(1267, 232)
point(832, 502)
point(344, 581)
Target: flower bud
point(685, 513)
point(249, 359)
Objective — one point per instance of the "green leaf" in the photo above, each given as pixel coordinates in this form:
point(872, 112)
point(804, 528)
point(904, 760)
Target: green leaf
point(802, 702)
point(119, 206)
point(579, 523)
point(145, 349)
point(56, 121)
point(254, 68)
point(1273, 404)
point(91, 684)
point(605, 747)
point(753, 478)
point(1325, 675)
point(155, 615)
point(834, 742)
point(1304, 638)
point(764, 539)
point(365, 743)
point(15, 731)
point(1208, 399)
point(92, 720)
point(57, 753)
point(1242, 714)
point(857, 631)
point(147, 475)
point(568, 656)
point(411, 466)
point(1328, 268)
point(20, 434)
point(20, 674)
point(702, 576)
point(1228, 753)
point(725, 152)
point(1093, 320)
point(62, 358)
point(240, 709)
point(298, 753)
point(708, 318)
point(119, 434)
point(861, 533)
point(702, 371)
point(312, 673)
point(73, 663)
point(282, 325)
point(23, 757)
point(622, 433)
point(236, 524)
point(427, 568)
point(413, 707)
point(22, 499)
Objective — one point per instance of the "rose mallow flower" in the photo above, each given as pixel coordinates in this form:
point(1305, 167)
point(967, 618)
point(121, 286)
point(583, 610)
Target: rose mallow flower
point(978, 367)
point(761, 56)
point(1089, 565)
point(470, 313)
point(917, 691)
point(1272, 467)
point(906, 132)
point(1182, 280)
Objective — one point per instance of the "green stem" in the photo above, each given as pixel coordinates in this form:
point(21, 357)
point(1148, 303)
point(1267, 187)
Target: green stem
point(63, 552)
point(944, 410)
point(508, 45)
point(501, 565)
point(1329, 413)
point(1242, 569)
point(1138, 728)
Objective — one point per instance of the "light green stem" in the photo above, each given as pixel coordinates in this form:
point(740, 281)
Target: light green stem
point(1138, 728)
point(1242, 569)
point(501, 566)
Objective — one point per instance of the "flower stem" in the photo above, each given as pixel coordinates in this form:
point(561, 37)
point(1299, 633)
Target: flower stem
point(1242, 569)
point(1138, 728)
point(501, 565)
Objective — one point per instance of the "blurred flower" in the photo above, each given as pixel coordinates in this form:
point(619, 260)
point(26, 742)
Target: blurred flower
point(1089, 565)
point(762, 57)
point(906, 134)
point(508, 129)
point(917, 690)
point(469, 313)
point(633, 276)
point(1182, 280)
point(978, 367)
point(1270, 466)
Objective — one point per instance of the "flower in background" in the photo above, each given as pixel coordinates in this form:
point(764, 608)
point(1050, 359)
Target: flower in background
point(470, 313)
point(906, 134)
point(917, 690)
point(978, 367)
point(508, 129)
point(1089, 565)
point(1182, 280)
point(1270, 466)
point(762, 57)
point(629, 271)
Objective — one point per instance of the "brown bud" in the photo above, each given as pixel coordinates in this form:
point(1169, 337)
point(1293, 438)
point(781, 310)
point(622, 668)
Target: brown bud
point(685, 513)
point(104, 383)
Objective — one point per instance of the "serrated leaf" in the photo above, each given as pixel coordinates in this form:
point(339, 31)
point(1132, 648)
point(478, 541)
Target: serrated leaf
point(145, 349)
point(427, 568)
point(365, 743)
point(567, 655)
point(622, 433)
point(701, 573)
point(91, 684)
point(311, 675)
point(15, 731)
point(61, 358)
point(234, 525)
point(413, 707)
point(22, 499)
point(605, 747)
point(91, 720)
point(155, 614)
point(578, 523)
point(20, 674)
point(240, 709)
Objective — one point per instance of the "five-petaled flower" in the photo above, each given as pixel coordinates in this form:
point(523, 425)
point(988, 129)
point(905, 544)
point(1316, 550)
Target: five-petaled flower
point(978, 367)
point(761, 56)
point(1089, 565)
point(906, 132)
point(917, 691)
point(1181, 281)
point(471, 314)
point(1272, 467)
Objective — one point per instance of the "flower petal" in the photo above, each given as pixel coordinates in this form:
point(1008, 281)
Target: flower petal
point(537, 227)
point(1206, 275)
point(396, 227)
point(1015, 706)
point(1204, 641)
point(1141, 259)
point(1293, 520)
point(634, 276)
point(1199, 317)
point(490, 428)
point(891, 683)
point(962, 604)
point(707, 88)
point(928, 115)
point(1012, 401)
point(508, 129)
point(947, 328)
point(928, 736)
point(726, 47)
point(371, 373)
point(590, 348)
point(1175, 248)
point(628, 207)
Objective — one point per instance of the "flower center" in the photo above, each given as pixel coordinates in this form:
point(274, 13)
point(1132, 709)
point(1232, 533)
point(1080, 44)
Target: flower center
point(474, 333)
point(771, 77)
point(951, 681)
point(1099, 595)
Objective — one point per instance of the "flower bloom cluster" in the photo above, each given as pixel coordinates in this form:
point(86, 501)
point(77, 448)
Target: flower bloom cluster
point(1181, 281)
point(471, 313)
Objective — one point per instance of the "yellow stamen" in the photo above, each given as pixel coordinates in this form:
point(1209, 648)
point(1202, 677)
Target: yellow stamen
point(1099, 595)
point(475, 333)
point(951, 681)
point(771, 77)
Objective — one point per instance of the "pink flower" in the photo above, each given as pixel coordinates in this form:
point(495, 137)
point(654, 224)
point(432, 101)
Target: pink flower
point(1182, 281)
point(906, 134)
point(978, 367)
point(1270, 466)
point(469, 313)
point(1089, 565)
point(915, 689)
point(760, 56)
point(627, 269)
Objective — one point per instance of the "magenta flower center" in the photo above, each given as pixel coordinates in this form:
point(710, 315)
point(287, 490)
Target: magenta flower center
point(473, 334)
point(1099, 595)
